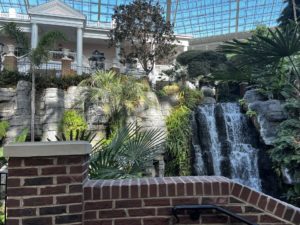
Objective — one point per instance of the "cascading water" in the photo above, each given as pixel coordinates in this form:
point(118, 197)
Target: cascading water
point(224, 143)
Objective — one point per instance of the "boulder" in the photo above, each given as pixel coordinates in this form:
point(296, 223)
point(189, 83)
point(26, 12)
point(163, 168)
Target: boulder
point(208, 100)
point(253, 95)
point(208, 91)
point(269, 115)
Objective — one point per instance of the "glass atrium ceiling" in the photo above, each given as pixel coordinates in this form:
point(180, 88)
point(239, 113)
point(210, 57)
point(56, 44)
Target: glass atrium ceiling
point(198, 18)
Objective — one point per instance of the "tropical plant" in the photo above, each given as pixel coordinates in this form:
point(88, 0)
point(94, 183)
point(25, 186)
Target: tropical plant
point(290, 12)
point(201, 62)
point(117, 95)
point(178, 142)
point(4, 125)
point(37, 56)
point(141, 27)
point(72, 121)
point(128, 154)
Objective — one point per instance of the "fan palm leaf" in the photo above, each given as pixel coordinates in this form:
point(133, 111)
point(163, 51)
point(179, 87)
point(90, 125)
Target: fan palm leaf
point(129, 152)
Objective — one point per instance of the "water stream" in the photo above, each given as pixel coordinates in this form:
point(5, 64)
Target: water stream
point(225, 144)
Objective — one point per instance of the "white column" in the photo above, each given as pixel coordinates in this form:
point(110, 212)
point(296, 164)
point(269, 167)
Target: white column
point(117, 56)
point(79, 51)
point(185, 48)
point(34, 35)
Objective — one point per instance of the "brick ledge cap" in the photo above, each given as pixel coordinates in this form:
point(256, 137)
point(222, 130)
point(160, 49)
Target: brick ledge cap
point(56, 148)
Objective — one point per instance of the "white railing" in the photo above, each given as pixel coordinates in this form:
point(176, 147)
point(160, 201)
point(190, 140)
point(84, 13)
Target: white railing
point(102, 25)
point(16, 16)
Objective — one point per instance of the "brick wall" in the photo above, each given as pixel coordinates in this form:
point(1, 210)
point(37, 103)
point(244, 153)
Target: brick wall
point(54, 189)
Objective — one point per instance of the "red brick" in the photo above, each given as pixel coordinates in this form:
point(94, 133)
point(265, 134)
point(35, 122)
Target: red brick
point(224, 188)
point(268, 219)
point(57, 170)
point(180, 189)
point(157, 202)
point(68, 199)
point(215, 200)
point(262, 202)
point(11, 203)
point(53, 210)
point(53, 190)
point(12, 221)
point(128, 203)
point(97, 193)
point(216, 188)
point(296, 218)
point(141, 212)
point(164, 211)
point(38, 181)
point(289, 214)
point(98, 222)
point(185, 201)
point(21, 191)
point(98, 205)
point(75, 208)
point(14, 162)
point(76, 188)
point(38, 201)
point(251, 218)
point(77, 169)
point(280, 209)
point(207, 188)
point(253, 199)
point(38, 161)
point(199, 188)
point(237, 188)
point(156, 221)
point(22, 172)
point(69, 179)
point(245, 194)
point(112, 213)
point(234, 209)
point(106, 192)
point(271, 205)
point(90, 215)
point(250, 209)
point(39, 220)
point(13, 182)
point(162, 190)
point(128, 221)
point(134, 190)
point(67, 160)
point(87, 193)
point(144, 188)
point(21, 212)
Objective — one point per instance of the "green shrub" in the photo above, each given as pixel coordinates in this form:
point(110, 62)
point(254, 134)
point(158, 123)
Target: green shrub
point(171, 89)
point(4, 125)
point(251, 113)
point(190, 98)
point(72, 121)
point(10, 79)
point(178, 142)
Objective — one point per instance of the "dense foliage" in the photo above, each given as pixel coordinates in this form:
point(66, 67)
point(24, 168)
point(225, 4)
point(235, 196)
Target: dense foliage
point(4, 125)
point(116, 94)
point(271, 58)
point(144, 34)
point(128, 154)
point(201, 62)
point(288, 13)
point(72, 121)
point(178, 142)
point(11, 79)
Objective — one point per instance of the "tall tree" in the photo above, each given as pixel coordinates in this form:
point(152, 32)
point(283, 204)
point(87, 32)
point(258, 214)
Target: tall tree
point(141, 28)
point(290, 12)
point(37, 56)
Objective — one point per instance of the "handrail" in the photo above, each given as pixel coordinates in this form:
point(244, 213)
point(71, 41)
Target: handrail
point(197, 208)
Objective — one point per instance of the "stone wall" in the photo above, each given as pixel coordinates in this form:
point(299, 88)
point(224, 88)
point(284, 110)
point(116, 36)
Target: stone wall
point(48, 184)
point(51, 104)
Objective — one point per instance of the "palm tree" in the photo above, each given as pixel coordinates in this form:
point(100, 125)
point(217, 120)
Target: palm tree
point(117, 95)
point(37, 56)
point(127, 155)
point(261, 51)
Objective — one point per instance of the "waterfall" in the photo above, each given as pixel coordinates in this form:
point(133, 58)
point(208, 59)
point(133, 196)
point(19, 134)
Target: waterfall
point(224, 144)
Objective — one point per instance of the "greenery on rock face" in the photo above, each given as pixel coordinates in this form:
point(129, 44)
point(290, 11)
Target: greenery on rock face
point(148, 36)
point(178, 142)
point(128, 153)
point(117, 95)
point(4, 125)
point(72, 121)
point(178, 158)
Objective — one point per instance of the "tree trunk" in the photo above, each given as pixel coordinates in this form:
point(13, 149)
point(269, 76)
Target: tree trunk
point(32, 105)
point(295, 10)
